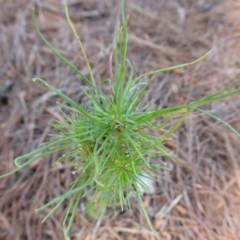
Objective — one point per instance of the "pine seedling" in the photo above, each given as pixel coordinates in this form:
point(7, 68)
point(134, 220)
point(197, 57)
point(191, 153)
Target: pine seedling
point(112, 141)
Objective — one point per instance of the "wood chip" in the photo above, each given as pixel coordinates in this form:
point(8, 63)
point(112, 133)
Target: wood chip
point(181, 210)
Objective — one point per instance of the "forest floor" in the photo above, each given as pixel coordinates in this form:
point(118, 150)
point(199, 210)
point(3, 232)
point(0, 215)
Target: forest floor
point(200, 197)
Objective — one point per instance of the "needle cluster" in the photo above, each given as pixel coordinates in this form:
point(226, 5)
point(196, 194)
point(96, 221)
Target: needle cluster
point(111, 142)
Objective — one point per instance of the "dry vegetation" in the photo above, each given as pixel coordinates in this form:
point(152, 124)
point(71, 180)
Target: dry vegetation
point(200, 197)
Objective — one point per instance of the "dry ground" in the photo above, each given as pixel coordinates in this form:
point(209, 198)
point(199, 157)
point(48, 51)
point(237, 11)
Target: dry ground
point(200, 197)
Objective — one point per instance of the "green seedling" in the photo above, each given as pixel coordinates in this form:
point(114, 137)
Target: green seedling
point(112, 141)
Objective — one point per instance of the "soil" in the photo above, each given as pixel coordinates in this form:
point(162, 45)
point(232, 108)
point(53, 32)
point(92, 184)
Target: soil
point(200, 197)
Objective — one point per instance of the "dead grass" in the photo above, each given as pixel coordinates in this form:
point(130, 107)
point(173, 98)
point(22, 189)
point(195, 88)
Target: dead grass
point(200, 197)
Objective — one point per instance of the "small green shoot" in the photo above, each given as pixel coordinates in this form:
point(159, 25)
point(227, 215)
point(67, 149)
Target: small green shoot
point(111, 142)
